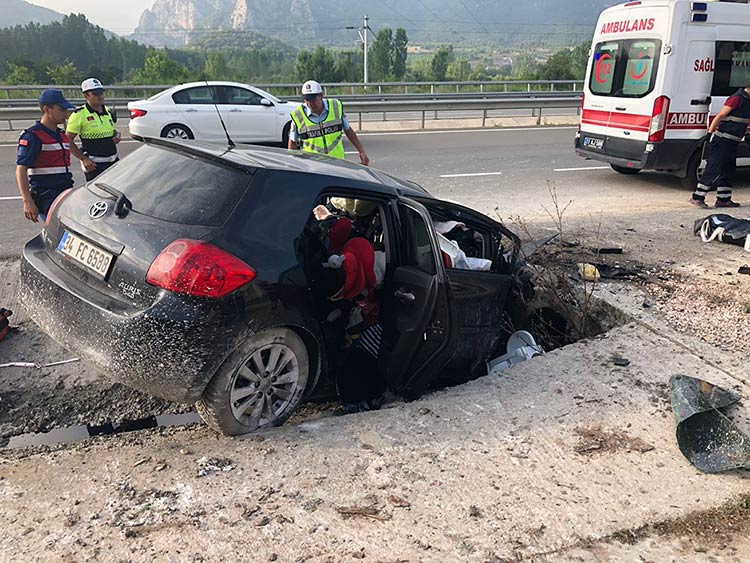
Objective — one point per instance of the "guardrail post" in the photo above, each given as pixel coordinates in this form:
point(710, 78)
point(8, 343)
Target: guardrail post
point(380, 89)
point(551, 86)
point(481, 88)
point(360, 121)
point(539, 117)
point(423, 118)
point(484, 117)
point(384, 118)
point(406, 88)
point(528, 87)
point(432, 88)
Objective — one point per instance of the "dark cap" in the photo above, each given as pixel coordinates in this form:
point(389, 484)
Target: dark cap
point(54, 97)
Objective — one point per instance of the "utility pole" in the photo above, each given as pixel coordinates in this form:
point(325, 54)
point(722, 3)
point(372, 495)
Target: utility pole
point(362, 31)
point(365, 29)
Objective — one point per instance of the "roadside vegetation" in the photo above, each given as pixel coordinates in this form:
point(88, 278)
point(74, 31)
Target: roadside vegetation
point(70, 50)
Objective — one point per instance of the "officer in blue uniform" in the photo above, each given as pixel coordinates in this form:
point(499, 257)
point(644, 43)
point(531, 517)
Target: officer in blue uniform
point(43, 157)
point(727, 129)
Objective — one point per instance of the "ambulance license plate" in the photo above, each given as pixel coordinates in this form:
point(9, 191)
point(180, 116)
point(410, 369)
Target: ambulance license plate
point(85, 254)
point(593, 143)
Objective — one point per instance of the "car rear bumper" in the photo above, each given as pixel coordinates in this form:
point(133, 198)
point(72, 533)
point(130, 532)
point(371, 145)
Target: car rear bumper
point(669, 155)
point(170, 350)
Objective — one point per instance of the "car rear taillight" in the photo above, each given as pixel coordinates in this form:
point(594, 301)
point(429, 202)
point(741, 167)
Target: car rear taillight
point(658, 125)
point(137, 113)
point(197, 268)
point(55, 203)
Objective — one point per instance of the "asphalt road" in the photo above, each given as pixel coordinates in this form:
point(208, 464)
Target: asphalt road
point(508, 169)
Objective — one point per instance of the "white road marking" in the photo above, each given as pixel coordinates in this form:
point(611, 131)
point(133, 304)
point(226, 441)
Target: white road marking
point(469, 175)
point(8, 198)
point(453, 131)
point(582, 168)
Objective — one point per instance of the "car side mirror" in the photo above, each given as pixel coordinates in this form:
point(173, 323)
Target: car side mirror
point(266, 102)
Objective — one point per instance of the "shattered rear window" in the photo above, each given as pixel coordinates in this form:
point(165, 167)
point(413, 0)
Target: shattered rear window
point(176, 187)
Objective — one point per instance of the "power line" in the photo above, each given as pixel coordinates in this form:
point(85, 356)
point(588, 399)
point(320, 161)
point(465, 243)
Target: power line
point(473, 16)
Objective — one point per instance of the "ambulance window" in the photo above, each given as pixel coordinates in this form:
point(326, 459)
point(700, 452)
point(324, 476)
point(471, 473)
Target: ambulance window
point(640, 65)
point(732, 70)
point(625, 68)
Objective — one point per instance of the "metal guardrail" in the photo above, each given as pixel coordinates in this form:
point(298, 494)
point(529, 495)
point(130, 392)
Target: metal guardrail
point(333, 88)
point(537, 104)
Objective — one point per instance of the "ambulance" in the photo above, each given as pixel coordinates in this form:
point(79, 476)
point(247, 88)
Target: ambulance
point(659, 70)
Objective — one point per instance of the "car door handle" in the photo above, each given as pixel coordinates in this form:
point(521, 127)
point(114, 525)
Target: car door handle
point(234, 110)
point(404, 296)
point(190, 110)
point(622, 109)
point(704, 102)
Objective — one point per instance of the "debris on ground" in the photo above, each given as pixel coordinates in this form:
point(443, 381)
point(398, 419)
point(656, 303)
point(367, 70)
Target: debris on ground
point(5, 327)
point(370, 511)
point(209, 465)
point(620, 362)
point(744, 269)
point(588, 272)
point(38, 366)
point(521, 347)
point(598, 440)
point(708, 429)
point(724, 228)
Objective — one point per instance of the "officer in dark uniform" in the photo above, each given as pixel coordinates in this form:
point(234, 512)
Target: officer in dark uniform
point(43, 159)
point(95, 124)
point(727, 129)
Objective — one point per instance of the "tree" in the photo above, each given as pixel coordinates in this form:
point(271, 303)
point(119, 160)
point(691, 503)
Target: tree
point(440, 61)
point(400, 43)
point(18, 74)
point(66, 73)
point(216, 66)
point(160, 69)
point(319, 65)
point(381, 55)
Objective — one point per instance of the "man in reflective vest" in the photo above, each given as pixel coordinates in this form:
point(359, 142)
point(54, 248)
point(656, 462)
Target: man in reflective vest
point(95, 123)
point(727, 129)
point(43, 157)
point(318, 126)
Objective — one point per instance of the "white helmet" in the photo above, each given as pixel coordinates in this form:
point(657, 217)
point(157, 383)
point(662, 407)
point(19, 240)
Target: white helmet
point(311, 88)
point(91, 84)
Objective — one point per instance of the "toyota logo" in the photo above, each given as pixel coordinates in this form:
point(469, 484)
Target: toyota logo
point(98, 209)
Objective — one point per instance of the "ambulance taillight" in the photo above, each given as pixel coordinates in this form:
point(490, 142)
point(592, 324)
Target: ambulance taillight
point(658, 125)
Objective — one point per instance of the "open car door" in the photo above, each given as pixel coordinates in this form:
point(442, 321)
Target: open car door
point(480, 298)
point(418, 336)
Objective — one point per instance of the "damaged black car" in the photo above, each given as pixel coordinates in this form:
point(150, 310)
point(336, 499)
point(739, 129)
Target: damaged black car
point(247, 279)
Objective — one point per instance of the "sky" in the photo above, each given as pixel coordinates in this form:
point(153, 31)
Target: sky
point(120, 17)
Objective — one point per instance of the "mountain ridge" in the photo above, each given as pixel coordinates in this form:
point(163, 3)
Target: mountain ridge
point(18, 12)
point(305, 23)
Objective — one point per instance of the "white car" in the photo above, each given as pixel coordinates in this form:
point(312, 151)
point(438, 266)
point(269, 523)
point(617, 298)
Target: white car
point(191, 111)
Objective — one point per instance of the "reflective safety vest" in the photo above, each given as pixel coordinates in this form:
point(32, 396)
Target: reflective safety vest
point(97, 131)
point(51, 169)
point(734, 125)
point(324, 137)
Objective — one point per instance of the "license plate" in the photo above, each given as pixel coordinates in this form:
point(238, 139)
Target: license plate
point(85, 254)
point(593, 143)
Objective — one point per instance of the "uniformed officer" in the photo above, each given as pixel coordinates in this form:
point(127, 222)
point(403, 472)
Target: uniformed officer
point(95, 124)
point(317, 126)
point(43, 159)
point(728, 128)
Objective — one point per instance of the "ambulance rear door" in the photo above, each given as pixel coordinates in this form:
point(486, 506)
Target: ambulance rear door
point(732, 72)
point(623, 83)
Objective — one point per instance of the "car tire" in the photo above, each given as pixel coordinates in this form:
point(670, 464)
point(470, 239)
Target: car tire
point(175, 131)
point(285, 135)
point(690, 181)
point(259, 385)
point(625, 170)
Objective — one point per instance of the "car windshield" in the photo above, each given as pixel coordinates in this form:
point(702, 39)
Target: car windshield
point(267, 95)
point(175, 187)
